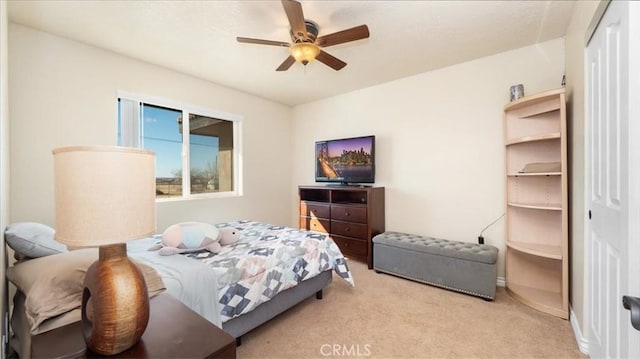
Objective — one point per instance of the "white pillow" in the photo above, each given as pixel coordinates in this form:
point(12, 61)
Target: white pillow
point(33, 240)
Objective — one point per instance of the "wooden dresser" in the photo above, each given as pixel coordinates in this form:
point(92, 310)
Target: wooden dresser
point(351, 215)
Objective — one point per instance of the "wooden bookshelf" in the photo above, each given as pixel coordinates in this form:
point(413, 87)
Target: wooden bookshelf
point(537, 263)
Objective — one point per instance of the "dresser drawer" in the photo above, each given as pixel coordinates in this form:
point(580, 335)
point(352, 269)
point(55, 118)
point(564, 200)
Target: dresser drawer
point(314, 209)
point(315, 224)
point(349, 213)
point(349, 229)
point(352, 246)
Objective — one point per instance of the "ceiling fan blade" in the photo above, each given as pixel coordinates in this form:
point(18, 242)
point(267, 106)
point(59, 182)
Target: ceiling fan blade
point(286, 64)
point(262, 42)
point(296, 18)
point(330, 61)
point(340, 37)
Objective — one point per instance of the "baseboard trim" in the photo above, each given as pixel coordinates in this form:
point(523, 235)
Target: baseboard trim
point(500, 282)
point(583, 343)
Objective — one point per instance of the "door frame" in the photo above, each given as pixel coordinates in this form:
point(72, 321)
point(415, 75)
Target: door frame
point(634, 171)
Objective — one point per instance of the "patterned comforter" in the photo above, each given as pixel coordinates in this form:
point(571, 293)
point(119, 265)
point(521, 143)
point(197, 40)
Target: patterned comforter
point(267, 260)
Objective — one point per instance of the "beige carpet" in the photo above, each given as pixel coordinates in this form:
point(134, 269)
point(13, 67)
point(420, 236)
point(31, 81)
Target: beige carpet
point(389, 317)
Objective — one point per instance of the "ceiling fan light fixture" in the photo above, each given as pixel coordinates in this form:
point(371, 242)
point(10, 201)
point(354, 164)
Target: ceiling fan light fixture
point(305, 44)
point(304, 52)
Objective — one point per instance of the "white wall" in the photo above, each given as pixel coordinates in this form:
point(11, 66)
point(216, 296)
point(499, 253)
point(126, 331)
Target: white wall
point(439, 137)
point(4, 145)
point(64, 93)
point(439, 140)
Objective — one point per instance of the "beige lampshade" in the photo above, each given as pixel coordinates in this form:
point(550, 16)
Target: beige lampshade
point(103, 194)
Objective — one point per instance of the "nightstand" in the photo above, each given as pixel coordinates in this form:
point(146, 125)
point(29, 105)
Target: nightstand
point(174, 331)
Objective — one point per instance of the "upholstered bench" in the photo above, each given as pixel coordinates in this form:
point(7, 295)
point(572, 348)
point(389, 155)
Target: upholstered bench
point(464, 267)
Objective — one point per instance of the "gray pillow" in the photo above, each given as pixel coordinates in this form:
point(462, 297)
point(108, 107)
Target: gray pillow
point(33, 240)
point(53, 285)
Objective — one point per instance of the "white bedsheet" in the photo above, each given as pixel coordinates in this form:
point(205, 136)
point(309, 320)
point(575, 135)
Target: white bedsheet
point(183, 277)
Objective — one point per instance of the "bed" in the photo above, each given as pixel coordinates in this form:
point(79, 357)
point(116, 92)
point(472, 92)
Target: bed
point(270, 269)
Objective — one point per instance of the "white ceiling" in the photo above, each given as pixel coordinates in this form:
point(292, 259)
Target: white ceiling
point(199, 37)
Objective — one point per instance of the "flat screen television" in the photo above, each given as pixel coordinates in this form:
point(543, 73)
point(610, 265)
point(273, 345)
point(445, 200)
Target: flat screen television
point(346, 161)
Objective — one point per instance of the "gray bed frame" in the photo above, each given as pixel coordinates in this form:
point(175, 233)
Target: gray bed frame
point(278, 304)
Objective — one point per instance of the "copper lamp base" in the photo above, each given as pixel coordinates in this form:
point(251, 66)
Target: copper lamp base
point(115, 302)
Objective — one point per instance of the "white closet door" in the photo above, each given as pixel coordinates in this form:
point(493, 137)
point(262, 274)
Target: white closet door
point(612, 188)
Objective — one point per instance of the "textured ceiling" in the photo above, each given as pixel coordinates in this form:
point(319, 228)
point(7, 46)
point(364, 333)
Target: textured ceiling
point(198, 37)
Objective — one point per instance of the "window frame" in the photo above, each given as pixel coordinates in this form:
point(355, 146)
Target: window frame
point(186, 110)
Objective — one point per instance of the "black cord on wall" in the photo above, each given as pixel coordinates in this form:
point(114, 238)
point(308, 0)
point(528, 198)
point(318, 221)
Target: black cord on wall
point(480, 237)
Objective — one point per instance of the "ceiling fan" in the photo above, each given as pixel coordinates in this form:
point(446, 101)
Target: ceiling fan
point(306, 46)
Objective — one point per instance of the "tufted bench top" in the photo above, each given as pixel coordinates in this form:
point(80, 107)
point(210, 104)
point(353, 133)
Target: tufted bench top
point(483, 253)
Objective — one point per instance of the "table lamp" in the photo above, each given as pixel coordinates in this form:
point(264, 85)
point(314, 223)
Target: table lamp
point(104, 196)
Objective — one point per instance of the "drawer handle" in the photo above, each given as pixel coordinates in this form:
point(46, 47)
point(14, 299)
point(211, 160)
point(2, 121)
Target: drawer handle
point(346, 214)
point(347, 229)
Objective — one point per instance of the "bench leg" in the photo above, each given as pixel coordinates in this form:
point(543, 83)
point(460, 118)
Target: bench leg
point(319, 294)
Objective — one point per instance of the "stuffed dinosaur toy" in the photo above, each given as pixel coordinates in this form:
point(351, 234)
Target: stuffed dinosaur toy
point(190, 237)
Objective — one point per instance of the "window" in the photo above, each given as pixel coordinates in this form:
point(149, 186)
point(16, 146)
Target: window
point(197, 150)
